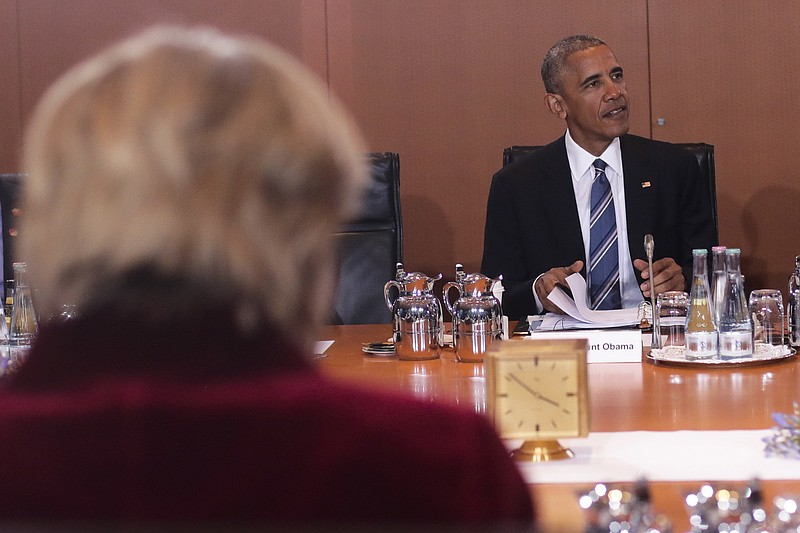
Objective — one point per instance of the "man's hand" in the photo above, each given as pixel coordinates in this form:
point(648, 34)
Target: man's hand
point(667, 276)
point(547, 282)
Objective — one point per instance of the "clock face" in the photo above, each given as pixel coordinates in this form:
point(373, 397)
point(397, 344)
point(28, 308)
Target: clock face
point(539, 396)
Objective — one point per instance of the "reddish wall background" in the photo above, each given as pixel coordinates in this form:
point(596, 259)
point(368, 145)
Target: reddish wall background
point(448, 84)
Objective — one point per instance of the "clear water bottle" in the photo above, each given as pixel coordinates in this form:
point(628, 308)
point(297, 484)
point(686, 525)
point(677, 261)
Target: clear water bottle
point(735, 325)
point(793, 307)
point(23, 318)
point(701, 332)
point(3, 327)
point(717, 280)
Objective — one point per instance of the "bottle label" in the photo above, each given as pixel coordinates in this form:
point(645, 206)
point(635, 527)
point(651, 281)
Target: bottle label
point(735, 344)
point(701, 344)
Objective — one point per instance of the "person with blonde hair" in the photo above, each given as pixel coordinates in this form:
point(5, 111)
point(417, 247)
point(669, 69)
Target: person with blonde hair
point(182, 190)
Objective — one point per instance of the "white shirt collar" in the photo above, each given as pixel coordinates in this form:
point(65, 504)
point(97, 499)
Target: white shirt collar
point(580, 161)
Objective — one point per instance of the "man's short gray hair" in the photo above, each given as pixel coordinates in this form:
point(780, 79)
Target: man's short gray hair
point(555, 61)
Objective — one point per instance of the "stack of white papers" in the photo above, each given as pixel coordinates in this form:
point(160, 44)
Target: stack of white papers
point(578, 313)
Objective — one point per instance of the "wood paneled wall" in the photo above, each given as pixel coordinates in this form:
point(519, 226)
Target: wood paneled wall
point(44, 38)
point(728, 72)
point(449, 83)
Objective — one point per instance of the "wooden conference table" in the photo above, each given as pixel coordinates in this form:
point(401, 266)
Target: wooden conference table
point(659, 398)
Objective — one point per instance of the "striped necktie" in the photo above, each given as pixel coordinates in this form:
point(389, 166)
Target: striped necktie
point(604, 289)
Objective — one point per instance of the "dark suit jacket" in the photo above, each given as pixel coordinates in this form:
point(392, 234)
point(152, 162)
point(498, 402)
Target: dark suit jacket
point(532, 220)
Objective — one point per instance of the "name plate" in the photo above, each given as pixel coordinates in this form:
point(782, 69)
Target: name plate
point(605, 345)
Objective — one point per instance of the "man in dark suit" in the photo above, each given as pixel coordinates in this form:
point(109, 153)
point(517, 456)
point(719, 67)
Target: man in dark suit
point(540, 210)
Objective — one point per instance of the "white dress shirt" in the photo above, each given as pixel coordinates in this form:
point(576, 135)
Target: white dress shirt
point(581, 164)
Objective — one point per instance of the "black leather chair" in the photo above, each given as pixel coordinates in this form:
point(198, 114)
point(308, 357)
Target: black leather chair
point(9, 205)
point(702, 151)
point(370, 246)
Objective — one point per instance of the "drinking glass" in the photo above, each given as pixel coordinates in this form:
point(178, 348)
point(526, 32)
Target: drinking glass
point(673, 307)
point(766, 310)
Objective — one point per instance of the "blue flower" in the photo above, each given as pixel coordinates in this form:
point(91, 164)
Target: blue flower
point(785, 440)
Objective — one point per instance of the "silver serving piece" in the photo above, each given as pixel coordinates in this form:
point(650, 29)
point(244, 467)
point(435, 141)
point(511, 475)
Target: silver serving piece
point(734, 509)
point(621, 509)
point(477, 316)
point(417, 315)
point(649, 246)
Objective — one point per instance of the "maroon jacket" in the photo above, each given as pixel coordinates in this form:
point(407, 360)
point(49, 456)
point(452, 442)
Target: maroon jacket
point(114, 420)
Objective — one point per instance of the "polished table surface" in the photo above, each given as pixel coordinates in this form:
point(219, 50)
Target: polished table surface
point(623, 397)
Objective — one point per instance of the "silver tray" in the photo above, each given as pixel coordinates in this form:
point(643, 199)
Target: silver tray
point(674, 356)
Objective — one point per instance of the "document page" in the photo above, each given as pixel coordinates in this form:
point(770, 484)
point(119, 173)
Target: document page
point(579, 310)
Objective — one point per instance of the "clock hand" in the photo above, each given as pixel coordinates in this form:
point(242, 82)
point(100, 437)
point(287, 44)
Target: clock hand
point(536, 394)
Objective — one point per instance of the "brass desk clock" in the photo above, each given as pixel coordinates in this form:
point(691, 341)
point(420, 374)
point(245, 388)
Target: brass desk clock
point(538, 390)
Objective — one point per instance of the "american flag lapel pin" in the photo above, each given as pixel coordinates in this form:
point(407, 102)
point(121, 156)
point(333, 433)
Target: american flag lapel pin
point(646, 184)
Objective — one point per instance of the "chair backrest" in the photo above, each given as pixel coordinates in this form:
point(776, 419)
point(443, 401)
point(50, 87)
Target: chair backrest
point(702, 151)
point(370, 246)
point(9, 205)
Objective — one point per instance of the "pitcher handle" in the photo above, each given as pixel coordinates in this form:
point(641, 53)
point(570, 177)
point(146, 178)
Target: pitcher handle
point(389, 285)
point(446, 295)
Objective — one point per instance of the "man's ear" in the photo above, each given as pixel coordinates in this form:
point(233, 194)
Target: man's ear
point(555, 105)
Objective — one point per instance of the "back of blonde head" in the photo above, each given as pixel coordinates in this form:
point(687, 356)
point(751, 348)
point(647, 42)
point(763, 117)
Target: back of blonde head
point(215, 160)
